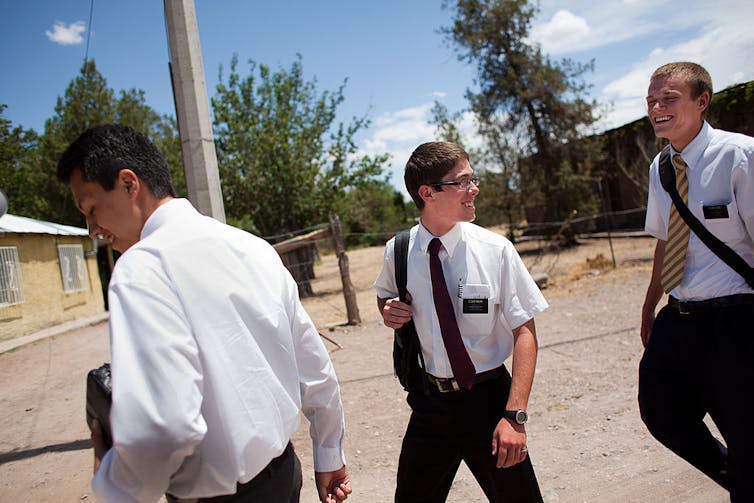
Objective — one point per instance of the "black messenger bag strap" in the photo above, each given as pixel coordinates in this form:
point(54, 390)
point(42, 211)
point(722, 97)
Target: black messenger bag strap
point(406, 348)
point(731, 258)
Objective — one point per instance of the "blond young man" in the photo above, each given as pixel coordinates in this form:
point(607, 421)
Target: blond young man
point(700, 346)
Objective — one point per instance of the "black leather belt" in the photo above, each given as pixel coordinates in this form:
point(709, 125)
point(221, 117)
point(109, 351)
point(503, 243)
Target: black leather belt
point(701, 306)
point(449, 384)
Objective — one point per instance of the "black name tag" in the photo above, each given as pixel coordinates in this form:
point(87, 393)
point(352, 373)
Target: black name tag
point(713, 212)
point(474, 306)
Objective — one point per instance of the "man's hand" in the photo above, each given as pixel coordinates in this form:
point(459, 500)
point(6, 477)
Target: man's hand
point(509, 443)
point(333, 487)
point(394, 312)
point(647, 321)
point(100, 449)
point(654, 293)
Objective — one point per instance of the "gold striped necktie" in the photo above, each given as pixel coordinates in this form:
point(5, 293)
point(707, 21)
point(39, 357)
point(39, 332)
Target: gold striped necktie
point(678, 232)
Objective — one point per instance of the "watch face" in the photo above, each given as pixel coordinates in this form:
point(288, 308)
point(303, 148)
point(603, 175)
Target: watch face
point(521, 416)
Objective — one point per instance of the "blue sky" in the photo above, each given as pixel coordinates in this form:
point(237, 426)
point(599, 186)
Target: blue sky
point(390, 51)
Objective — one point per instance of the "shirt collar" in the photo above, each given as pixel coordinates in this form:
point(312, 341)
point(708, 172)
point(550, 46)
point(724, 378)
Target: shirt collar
point(166, 211)
point(449, 240)
point(693, 151)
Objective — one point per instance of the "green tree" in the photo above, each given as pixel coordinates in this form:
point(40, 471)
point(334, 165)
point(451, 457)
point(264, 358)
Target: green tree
point(284, 162)
point(19, 153)
point(89, 101)
point(537, 105)
point(377, 211)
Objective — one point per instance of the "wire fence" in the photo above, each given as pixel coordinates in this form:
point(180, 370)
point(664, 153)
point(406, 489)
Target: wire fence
point(631, 219)
point(623, 220)
point(300, 249)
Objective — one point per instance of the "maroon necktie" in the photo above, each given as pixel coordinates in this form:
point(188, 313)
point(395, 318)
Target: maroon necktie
point(463, 368)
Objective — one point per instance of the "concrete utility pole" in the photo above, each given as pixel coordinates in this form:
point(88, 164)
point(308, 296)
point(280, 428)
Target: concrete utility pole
point(192, 109)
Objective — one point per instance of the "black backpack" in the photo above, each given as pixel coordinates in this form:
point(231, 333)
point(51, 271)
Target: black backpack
point(406, 348)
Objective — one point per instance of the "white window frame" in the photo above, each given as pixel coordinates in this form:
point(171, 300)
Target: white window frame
point(73, 270)
point(11, 283)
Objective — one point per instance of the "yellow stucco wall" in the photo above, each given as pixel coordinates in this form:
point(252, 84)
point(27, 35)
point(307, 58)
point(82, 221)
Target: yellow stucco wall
point(45, 302)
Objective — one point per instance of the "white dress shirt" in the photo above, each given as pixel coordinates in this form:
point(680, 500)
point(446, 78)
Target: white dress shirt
point(720, 174)
point(477, 264)
point(213, 358)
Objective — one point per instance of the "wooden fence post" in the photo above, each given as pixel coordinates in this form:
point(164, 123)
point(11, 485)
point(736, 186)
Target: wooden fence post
point(345, 277)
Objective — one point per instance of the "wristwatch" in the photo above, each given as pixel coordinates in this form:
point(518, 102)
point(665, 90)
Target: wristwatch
point(519, 415)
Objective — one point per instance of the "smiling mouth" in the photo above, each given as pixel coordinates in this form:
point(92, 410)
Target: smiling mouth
point(663, 118)
point(470, 204)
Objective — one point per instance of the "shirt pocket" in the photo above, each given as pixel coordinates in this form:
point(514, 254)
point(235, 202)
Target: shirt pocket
point(477, 308)
point(724, 224)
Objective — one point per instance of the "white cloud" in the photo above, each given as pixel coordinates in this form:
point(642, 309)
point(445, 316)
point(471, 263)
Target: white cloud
point(67, 35)
point(588, 25)
point(399, 133)
point(409, 125)
point(562, 33)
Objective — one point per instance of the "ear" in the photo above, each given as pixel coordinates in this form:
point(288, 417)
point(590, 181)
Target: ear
point(130, 182)
point(426, 193)
point(702, 101)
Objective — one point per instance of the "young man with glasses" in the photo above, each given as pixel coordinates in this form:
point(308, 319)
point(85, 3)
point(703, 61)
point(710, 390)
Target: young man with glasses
point(473, 304)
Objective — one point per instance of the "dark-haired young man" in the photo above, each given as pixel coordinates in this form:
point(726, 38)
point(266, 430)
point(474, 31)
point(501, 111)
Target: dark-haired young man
point(700, 348)
point(473, 304)
point(213, 356)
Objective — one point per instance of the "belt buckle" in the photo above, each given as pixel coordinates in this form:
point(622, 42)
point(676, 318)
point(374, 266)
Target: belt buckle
point(683, 308)
point(445, 385)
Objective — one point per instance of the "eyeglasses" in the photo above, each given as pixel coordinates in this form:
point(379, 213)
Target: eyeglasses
point(464, 184)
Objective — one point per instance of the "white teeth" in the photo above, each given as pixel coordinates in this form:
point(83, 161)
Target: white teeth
point(662, 119)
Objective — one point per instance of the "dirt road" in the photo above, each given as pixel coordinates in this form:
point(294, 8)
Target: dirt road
point(585, 436)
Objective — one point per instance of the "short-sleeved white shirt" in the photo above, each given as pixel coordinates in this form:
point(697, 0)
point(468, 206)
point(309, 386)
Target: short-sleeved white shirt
point(477, 264)
point(721, 176)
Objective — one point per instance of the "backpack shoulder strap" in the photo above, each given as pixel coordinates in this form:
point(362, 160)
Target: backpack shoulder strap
point(401, 262)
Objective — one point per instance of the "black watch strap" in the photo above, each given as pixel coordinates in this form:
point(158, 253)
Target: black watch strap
point(519, 416)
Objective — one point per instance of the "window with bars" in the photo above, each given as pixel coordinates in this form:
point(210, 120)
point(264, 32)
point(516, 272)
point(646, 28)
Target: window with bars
point(11, 288)
point(73, 268)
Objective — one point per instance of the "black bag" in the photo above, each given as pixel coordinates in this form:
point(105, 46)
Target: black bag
point(406, 347)
point(723, 251)
point(98, 400)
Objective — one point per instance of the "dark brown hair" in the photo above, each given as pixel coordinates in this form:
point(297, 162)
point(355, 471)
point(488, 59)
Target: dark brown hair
point(428, 164)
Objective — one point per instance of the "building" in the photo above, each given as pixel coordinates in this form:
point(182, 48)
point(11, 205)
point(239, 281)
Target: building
point(48, 275)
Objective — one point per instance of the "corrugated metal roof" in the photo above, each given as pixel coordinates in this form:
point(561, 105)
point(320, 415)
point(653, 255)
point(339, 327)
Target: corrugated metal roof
point(13, 223)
